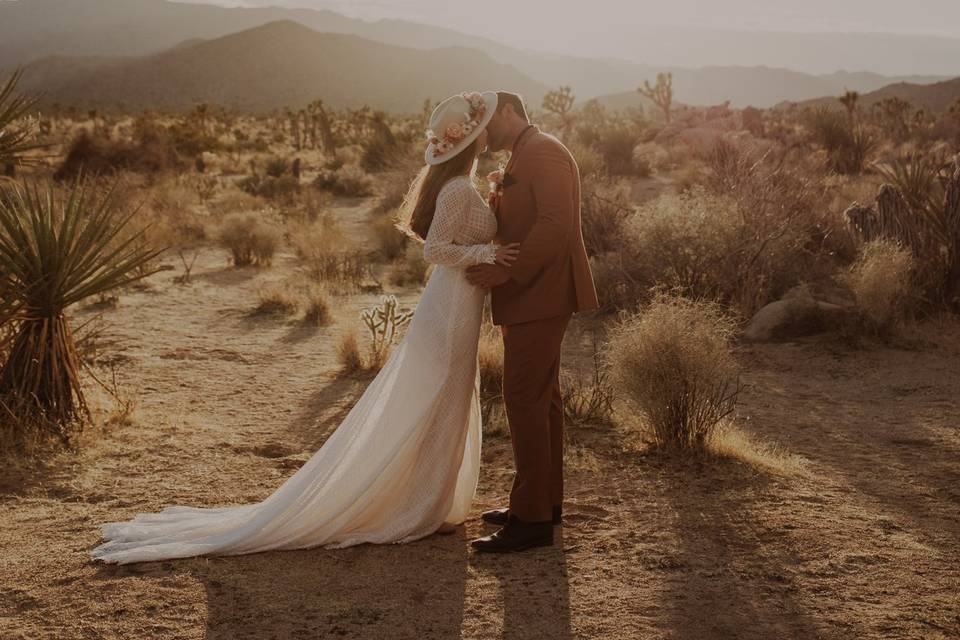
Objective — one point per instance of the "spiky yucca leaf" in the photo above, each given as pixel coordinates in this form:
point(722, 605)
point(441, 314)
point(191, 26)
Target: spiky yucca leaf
point(14, 140)
point(918, 177)
point(56, 249)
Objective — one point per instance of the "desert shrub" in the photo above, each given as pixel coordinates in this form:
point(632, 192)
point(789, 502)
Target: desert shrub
point(881, 282)
point(284, 188)
point(327, 256)
point(349, 180)
point(588, 160)
point(848, 144)
point(317, 307)
point(276, 167)
point(251, 241)
point(58, 248)
point(604, 208)
point(616, 146)
point(190, 140)
point(276, 300)
point(233, 201)
point(672, 363)
point(99, 155)
point(391, 241)
point(393, 189)
point(589, 401)
point(411, 269)
point(707, 246)
point(642, 164)
point(919, 208)
point(349, 356)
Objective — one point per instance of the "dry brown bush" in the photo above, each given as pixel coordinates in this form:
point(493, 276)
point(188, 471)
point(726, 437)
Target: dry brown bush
point(251, 241)
point(391, 241)
point(317, 307)
point(348, 354)
point(275, 300)
point(349, 180)
point(673, 364)
point(745, 238)
point(411, 269)
point(328, 256)
point(588, 401)
point(881, 280)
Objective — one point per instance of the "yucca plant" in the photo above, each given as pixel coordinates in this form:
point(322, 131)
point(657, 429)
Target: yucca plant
point(15, 140)
point(57, 247)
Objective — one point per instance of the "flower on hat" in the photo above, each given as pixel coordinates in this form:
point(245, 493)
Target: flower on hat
point(455, 132)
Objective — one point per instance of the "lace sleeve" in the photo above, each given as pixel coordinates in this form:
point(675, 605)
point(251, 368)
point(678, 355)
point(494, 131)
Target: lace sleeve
point(451, 216)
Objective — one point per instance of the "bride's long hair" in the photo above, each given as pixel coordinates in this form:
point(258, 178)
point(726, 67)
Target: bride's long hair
point(420, 203)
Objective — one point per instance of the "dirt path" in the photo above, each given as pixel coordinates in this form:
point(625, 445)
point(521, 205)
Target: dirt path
point(863, 543)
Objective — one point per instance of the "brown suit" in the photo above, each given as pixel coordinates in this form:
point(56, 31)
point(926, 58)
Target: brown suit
point(549, 281)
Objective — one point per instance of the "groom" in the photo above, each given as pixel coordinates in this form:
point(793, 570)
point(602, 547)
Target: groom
point(532, 301)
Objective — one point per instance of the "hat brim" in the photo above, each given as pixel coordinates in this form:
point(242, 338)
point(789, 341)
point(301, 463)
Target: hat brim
point(490, 98)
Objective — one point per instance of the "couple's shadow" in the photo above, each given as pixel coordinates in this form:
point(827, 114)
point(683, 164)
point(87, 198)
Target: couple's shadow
point(417, 591)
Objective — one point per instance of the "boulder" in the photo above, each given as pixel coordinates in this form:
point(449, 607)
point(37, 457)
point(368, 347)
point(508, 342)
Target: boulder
point(795, 317)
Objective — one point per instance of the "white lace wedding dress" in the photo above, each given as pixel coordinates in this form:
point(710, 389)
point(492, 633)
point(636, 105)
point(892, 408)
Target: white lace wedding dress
point(405, 459)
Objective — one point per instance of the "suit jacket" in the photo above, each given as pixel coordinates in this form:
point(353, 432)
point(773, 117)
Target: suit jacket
point(540, 209)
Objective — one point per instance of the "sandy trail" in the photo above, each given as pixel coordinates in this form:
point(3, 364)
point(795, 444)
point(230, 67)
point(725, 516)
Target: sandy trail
point(863, 543)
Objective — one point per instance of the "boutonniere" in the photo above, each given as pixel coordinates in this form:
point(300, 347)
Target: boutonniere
point(496, 180)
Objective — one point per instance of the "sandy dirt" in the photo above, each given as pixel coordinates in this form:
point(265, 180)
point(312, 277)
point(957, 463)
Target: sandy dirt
point(862, 540)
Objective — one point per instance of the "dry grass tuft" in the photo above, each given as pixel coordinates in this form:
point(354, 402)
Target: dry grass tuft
point(673, 364)
point(589, 401)
point(348, 354)
point(277, 300)
point(730, 442)
point(317, 307)
point(881, 281)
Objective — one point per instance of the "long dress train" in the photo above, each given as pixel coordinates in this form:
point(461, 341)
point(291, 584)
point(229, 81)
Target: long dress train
point(405, 459)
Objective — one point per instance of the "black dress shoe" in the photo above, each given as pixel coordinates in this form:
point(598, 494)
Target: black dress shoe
point(500, 517)
point(516, 536)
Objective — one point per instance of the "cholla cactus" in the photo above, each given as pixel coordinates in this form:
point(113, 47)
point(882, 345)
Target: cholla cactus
point(385, 323)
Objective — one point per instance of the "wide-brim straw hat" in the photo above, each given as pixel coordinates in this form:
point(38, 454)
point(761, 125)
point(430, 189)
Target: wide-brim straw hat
point(456, 123)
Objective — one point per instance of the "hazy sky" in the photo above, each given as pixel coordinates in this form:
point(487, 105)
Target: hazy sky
point(509, 20)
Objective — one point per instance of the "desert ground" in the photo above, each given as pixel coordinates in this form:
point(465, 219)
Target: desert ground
point(845, 525)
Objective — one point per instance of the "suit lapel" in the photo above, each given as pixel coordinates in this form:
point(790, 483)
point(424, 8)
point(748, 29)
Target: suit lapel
point(525, 136)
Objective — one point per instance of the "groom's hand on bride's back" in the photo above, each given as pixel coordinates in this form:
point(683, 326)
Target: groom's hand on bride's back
point(487, 276)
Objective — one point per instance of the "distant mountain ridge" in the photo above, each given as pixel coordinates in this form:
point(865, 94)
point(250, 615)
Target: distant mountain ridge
point(276, 65)
point(32, 29)
point(936, 98)
point(757, 86)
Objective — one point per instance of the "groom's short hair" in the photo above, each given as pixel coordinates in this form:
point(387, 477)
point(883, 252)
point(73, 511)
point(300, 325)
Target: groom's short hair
point(505, 97)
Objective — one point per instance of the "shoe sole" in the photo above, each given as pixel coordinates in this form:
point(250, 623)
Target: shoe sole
point(494, 523)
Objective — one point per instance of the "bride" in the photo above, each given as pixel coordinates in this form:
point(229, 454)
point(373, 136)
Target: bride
point(404, 462)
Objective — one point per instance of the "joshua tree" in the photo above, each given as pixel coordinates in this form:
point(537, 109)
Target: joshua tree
point(561, 103)
point(661, 94)
point(15, 139)
point(294, 118)
point(56, 249)
point(320, 120)
point(849, 101)
point(894, 112)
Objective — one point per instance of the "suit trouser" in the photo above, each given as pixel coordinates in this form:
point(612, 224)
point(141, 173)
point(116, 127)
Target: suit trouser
point(531, 393)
